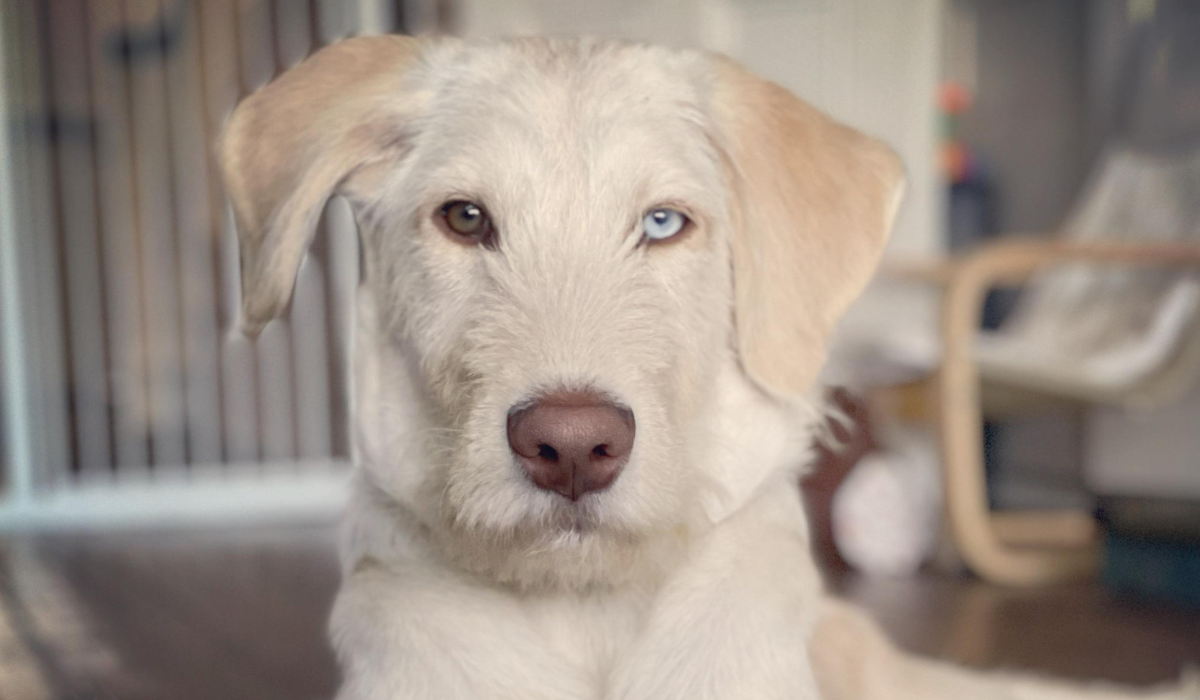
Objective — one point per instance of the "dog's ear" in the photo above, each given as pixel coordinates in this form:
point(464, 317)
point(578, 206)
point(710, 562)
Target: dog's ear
point(289, 146)
point(812, 207)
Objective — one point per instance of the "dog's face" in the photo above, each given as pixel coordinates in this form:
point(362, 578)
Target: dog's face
point(566, 245)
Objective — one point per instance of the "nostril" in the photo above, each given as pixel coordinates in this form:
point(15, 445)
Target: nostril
point(547, 452)
point(600, 450)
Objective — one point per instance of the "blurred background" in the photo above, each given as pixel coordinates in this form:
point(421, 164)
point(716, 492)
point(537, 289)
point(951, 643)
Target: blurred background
point(1016, 481)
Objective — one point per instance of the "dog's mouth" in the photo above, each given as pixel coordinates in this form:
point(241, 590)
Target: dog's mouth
point(577, 516)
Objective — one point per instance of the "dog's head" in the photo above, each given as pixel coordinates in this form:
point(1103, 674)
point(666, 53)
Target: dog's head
point(578, 255)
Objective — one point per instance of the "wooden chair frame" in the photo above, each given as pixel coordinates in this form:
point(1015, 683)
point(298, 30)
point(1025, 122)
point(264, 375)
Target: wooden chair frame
point(1010, 548)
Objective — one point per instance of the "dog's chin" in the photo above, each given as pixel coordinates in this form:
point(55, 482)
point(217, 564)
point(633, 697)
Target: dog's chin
point(568, 547)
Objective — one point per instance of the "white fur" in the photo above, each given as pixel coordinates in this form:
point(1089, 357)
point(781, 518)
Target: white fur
point(689, 578)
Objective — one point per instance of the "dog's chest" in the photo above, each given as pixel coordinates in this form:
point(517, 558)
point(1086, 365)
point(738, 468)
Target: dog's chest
point(589, 632)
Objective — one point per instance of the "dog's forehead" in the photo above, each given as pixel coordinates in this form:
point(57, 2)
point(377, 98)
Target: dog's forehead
point(560, 113)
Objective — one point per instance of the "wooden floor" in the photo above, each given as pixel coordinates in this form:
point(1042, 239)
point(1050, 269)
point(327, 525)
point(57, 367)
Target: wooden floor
point(196, 616)
point(231, 615)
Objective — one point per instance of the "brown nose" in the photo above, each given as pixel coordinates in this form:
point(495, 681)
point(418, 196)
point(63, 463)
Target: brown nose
point(571, 443)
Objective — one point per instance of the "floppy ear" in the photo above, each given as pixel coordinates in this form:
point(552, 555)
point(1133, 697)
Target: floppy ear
point(813, 204)
point(289, 146)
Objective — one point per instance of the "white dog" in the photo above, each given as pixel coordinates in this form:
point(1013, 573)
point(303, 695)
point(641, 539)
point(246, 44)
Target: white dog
point(598, 283)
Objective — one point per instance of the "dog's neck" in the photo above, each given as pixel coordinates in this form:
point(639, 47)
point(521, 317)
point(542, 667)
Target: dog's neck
point(756, 442)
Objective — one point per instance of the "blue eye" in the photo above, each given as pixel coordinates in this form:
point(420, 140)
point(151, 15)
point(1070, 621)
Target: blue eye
point(661, 224)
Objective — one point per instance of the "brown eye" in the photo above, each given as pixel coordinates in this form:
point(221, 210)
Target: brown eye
point(466, 221)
